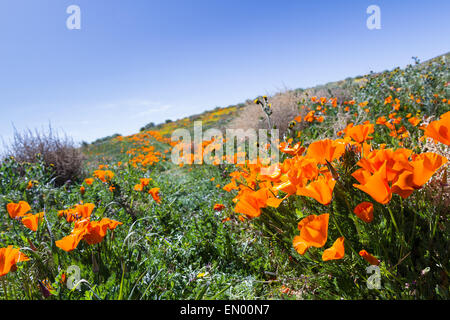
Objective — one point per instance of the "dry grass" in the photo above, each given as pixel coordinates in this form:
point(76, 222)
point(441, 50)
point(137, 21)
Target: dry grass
point(438, 189)
point(59, 154)
point(285, 107)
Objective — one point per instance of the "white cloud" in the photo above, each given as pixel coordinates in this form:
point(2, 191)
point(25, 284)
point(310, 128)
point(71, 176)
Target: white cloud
point(130, 103)
point(152, 110)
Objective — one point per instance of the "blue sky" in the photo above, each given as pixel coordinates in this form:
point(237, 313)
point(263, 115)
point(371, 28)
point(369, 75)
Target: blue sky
point(141, 61)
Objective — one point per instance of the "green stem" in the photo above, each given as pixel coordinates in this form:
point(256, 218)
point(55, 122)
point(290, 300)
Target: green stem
point(413, 230)
point(122, 282)
point(393, 220)
point(436, 222)
point(340, 231)
point(401, 235)
point(402, 213)
point(349, 210)
point(4, 287)
point(357, 229)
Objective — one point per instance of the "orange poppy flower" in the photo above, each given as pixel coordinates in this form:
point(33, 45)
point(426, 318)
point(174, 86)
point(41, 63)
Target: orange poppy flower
point(145, 181)
point(363, 104)
point(396, 161)
point(96, 230)
point(70, 214)
point(388, 166)
point(82, 190)
point(297, 149)
point(89, 181)
point(397, 120)
point(80, 211)
point(439, 130)
point(8, 259)
point(404, 185)
point(230, 186)
point(377, 186)
point(31, 221)
point(154, 192)
point(414, 121)
point(320, 189)
point(300, 170)
point(71, 241)
point(336, 251)
point(90, 231)
point(271, 199)
point(104, 175)
point(287, 187)
point(369, 258)
point(16, 210)
point(324, 150)
point(310, 116)
point(300, 245)
point(313, 232)
point(314, 229)
point(364, 211)
point(388, 100)
point(424, 166)
point(361, 175)
point(139, 187)
point(334, 102)
point(381, 120)
point(360, 133)
point(251, 202)
point(85, 210)
point(219, 207)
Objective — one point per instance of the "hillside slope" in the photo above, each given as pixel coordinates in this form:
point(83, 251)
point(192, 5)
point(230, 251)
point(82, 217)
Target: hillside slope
point(285, 106)
point(361, 185)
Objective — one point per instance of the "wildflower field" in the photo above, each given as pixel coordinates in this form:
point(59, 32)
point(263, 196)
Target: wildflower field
point(356, 208)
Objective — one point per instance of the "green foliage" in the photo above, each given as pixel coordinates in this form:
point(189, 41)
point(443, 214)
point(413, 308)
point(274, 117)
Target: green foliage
point(182, 248)
point(178, 249)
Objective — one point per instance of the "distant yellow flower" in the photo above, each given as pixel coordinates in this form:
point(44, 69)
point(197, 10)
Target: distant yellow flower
point(363, 104)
